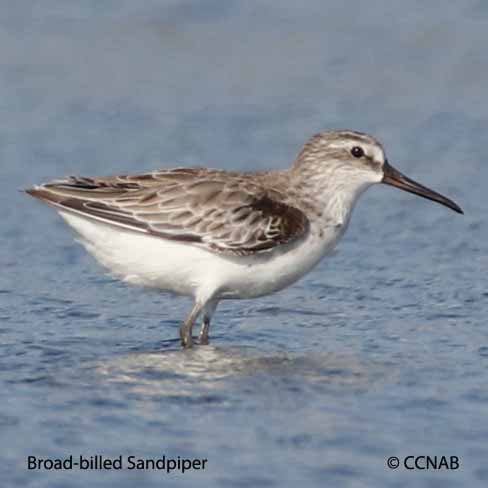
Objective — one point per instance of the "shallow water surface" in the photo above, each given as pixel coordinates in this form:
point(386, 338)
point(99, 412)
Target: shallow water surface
point(381, 351)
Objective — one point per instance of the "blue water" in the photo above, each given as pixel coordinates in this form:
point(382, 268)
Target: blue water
point(382, 350)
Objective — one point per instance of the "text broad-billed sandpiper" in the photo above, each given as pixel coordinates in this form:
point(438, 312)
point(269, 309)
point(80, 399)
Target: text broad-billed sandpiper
point(215, 235)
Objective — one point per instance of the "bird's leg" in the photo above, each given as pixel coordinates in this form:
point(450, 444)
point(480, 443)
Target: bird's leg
point(187, 326)
point(203, 337)
point(208, 311)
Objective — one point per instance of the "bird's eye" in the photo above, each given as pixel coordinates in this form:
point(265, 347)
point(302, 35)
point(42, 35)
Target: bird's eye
point(357, 152)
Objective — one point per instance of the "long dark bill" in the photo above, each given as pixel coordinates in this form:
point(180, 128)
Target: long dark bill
point(393, 177)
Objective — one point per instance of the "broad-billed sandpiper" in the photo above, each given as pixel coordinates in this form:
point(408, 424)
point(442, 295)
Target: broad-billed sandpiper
point(213, 234)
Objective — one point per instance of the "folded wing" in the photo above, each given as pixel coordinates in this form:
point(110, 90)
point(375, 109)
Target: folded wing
point(220, 211)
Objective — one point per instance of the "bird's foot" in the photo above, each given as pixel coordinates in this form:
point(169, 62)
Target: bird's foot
point(203, 341)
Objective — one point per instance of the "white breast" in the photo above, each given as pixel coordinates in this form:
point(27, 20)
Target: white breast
point(277, 270)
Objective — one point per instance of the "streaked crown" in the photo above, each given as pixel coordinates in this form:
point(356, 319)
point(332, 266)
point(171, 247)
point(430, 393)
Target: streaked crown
point(355, 150)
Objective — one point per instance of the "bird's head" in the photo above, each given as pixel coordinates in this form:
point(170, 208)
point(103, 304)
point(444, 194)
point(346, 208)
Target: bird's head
point(353, 161)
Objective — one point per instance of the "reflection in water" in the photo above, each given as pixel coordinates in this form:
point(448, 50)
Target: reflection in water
point(172, 371)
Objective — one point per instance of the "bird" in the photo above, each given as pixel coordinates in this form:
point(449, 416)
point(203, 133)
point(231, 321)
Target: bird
point(212, 234)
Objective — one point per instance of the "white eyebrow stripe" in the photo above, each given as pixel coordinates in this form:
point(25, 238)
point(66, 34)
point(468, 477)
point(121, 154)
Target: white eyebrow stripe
point(350, 144)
